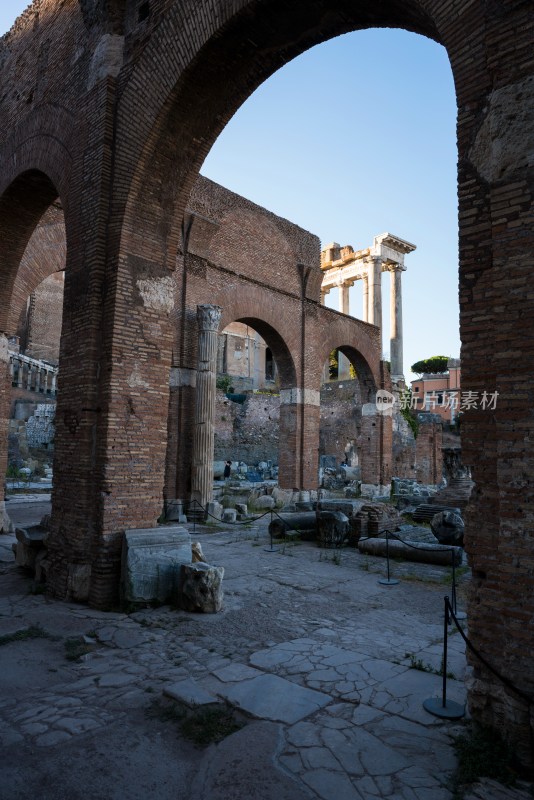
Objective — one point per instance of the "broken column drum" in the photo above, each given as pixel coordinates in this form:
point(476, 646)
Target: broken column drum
point(208, 318)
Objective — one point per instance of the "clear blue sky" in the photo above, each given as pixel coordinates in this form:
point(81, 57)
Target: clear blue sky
point(351, 139)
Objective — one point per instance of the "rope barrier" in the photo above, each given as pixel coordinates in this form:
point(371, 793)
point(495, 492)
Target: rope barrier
point(450, 609)
point(483, 660)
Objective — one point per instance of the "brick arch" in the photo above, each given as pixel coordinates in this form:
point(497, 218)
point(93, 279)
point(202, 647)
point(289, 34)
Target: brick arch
point(233, 49)
point(22, 205)
point(45, 254)
point(281, 353)
point(36, 171)
point(258, 314)
point(358, 341)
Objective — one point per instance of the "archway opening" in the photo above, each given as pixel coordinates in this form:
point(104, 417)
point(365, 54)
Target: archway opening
point(30, 325)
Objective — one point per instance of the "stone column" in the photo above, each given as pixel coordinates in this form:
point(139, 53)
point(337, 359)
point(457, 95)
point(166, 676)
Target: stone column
point(395, 311)
point(375, 291)
point(343, 363)
point(208, 318)
point(29, 375)
point(53, 389)
point(344, 306)
point(19, 373)
point(38, 379)
point(365, 282)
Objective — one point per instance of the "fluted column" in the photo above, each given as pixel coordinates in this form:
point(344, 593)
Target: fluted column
point(29, 375)
point(375, 291)
point(19, 373)
point(343, 363)
point(208, 318)
point(365, 282)
point(396, 323)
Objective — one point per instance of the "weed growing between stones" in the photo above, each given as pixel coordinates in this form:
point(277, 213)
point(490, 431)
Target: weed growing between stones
point(202, 726)
point(77, 647)
point(419, 664)
point(482, 753)
point(33, 632)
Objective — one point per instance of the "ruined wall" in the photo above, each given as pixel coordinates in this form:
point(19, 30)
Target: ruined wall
point(251, 262)
point(340, 433)
point(248, 432)
point(418, 458)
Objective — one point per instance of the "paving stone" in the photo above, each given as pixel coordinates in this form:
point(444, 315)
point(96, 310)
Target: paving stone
point(51, 738)
point(115, 679)
point(34, 728)
point(190, 693)
point(273, 698)
point(76, 725)
point(235, 672)
point(329, 785)
point(304, 734)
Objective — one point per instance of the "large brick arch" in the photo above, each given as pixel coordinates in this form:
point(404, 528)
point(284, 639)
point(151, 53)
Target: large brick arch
point(225, 57)
point(21, 206)
point(45, 254)
point(230, 53)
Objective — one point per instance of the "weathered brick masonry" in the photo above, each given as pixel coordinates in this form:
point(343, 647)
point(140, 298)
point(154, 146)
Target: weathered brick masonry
point(113, 111)
point(264, 271)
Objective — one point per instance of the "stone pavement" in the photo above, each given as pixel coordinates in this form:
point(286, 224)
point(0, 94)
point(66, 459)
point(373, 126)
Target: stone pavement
point(328, 668)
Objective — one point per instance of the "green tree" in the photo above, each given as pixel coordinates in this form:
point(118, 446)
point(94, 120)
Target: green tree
point(433, 364)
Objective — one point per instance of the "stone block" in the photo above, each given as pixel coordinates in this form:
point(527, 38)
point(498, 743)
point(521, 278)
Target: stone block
point(201, 588)
point(174, 511)
point(229, 515)
point(215, 510)
point(241, 509)
point(151, 562)
point(264, 503)
point(332, 528)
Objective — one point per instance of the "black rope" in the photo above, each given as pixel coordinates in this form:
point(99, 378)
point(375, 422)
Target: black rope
point(481, 658)
point(469, 644)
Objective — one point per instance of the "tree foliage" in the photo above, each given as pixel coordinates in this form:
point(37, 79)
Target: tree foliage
point(433, 364)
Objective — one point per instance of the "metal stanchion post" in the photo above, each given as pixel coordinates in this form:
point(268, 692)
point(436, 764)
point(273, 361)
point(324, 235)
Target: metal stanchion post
point(387, 581)
point(446, 709)
point(271, 549)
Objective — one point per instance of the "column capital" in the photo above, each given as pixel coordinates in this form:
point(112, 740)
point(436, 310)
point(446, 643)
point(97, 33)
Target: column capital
point(393, 267)
point(208, 317)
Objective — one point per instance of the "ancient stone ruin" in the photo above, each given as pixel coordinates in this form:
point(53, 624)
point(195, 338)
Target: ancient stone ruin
point(89, 122)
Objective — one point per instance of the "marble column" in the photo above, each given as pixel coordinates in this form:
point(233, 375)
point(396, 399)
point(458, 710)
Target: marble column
point(29, 377)
point(396, 323)
point(375, 291)
point(19, 373)
point(365, 282)
point(53, 390)
point(343, 363)
point(344, 306)
point(208, 318)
